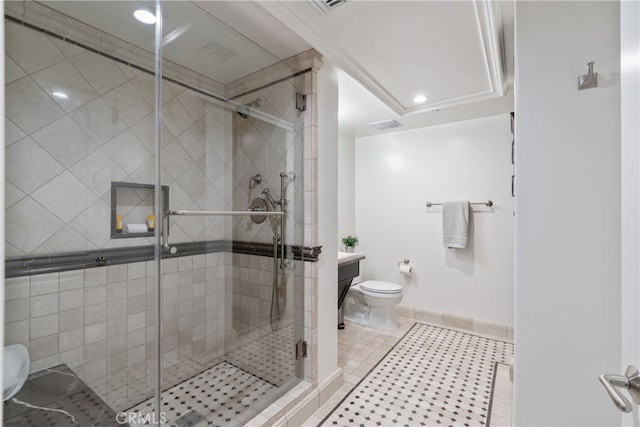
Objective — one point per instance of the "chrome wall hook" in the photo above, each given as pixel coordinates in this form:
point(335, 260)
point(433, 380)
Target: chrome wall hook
point(404, 261)
point(589, 80)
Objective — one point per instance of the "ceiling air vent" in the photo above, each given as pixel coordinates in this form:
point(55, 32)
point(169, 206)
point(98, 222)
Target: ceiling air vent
point(326, 6)
point(217, 51)
point(385, 124)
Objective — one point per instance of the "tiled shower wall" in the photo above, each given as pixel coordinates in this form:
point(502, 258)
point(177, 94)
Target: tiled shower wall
point(62, 155)
point(304, 197)
point(100, 322)
point(267, 147)
point(64, 152)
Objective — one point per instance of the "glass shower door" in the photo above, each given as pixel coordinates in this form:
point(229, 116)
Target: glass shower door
point(231, 284)
point(230, 288)
point(79, 114)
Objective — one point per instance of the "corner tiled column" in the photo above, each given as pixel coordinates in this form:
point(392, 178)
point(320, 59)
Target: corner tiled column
point(310, 59)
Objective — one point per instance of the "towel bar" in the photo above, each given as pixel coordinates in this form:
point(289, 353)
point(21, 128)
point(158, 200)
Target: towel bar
point(487, 203)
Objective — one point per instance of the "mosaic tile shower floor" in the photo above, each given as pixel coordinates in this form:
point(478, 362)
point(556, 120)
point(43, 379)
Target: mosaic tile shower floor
point(221, 394)
point(270, 357)
point(215, 397)
point(434, 376)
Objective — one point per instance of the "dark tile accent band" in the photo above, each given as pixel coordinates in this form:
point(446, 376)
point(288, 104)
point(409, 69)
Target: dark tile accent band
point(52, 263)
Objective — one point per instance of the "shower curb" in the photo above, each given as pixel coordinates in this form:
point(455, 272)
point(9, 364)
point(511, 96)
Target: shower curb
point(297, 405)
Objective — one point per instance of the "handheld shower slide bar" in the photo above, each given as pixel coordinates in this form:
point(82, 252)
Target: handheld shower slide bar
point(266, 193)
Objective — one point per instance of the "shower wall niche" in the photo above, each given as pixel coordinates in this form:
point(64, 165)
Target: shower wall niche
point(132, 207)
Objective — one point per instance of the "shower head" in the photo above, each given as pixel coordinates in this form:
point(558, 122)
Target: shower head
point(255, 180)
point(243, 110)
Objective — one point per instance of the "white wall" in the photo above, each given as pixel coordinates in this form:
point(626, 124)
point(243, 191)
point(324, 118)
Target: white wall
point(327, 220)
point(567, 324)
point(346, 189)
point(397, 173)
point(346, 157)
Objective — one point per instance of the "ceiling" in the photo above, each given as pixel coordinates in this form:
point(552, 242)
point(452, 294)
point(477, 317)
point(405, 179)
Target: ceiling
point(193, 38)
point(457, 53)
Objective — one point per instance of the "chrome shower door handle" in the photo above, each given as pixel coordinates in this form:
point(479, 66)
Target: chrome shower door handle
point(165, 235)
point(629, 381)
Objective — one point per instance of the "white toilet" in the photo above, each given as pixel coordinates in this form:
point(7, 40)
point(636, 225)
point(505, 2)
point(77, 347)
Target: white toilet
point(371, 303)
point(15, 369)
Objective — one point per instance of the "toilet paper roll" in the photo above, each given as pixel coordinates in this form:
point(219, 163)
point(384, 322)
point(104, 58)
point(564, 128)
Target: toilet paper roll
point(405, 269)
point(136, 228)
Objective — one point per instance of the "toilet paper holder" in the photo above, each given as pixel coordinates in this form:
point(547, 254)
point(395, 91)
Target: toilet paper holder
point(404, 261)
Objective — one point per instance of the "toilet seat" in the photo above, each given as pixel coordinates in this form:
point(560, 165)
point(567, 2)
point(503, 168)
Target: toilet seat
point(378, 287)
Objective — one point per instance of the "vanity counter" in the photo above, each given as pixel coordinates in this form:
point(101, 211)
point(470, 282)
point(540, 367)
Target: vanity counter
point(345, 258)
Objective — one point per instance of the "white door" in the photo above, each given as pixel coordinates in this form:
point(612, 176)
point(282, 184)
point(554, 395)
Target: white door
point(569, 301)
point(630, 212)
point(630, 137)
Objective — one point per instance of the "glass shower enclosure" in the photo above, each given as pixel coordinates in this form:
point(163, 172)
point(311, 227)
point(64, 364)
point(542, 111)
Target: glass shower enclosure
point(154, 214)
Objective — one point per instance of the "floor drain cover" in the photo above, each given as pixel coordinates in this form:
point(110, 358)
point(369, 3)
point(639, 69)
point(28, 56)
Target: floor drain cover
point(189, 419)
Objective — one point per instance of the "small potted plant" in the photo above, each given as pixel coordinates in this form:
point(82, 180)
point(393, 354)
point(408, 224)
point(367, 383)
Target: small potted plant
point(350, 242)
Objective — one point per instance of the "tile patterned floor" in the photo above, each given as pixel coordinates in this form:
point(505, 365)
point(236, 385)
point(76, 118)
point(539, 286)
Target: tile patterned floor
point(270, 357)
point(220, 395)
point(136, 382)
point(215, 397)
point(459, 359)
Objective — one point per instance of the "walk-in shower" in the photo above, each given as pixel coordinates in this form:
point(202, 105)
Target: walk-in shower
point(139, 275)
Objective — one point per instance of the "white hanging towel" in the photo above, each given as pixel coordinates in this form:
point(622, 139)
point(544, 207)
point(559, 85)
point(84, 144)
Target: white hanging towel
point(455, 224)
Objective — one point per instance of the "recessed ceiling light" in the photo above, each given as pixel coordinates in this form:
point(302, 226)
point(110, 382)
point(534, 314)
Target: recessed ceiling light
point(60, 95)
point(145, 16)
point(420, 99)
